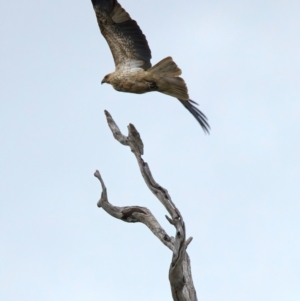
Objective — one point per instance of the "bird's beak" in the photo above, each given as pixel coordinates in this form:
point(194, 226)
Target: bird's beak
point(103, 81)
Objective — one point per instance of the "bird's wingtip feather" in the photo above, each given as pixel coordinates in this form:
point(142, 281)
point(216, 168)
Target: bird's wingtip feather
point(200, 117)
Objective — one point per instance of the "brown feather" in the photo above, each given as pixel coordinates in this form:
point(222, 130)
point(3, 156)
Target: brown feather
point(173, 86)
point(132, 55)
point(166, 67)
point(126, 41)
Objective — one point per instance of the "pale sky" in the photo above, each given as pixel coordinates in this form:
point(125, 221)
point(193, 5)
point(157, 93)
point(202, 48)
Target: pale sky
point(238, 188)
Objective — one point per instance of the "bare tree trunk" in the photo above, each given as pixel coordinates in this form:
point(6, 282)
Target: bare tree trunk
point(180, 276)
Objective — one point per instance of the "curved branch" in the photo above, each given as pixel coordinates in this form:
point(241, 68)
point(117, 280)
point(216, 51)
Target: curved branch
point(180, 276)
point(133, 214)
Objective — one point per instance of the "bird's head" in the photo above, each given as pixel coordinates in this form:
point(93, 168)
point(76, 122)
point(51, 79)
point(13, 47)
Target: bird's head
point(106, 79)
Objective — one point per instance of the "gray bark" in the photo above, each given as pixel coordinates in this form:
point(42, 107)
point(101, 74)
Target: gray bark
point(180, 276)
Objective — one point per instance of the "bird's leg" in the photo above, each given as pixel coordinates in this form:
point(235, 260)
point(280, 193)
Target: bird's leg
point(152, 86)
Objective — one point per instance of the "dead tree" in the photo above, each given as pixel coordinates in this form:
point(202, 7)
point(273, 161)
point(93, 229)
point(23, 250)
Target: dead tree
point(180, 276)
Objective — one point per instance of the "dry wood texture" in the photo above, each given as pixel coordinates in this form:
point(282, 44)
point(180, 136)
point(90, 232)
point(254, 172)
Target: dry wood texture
point(180, 276)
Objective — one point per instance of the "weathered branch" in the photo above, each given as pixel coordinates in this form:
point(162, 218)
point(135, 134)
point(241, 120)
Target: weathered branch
point(133, 214)
point(180, 269)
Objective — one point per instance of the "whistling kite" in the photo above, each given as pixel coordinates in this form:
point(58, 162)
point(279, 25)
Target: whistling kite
point(132, 56)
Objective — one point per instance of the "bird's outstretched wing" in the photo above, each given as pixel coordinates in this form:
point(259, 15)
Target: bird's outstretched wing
point(201, 118)
point(126, 41)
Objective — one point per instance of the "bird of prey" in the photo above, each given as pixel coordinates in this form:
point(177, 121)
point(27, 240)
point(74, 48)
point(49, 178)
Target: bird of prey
point(133, 70)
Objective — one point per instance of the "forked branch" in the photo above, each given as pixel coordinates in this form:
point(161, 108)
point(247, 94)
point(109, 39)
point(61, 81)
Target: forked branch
point(180, 277)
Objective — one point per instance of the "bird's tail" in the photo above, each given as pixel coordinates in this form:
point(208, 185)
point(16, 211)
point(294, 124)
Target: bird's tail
point(165, 73)
point(173, 86)
point(166, 67)
point(166, 76)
